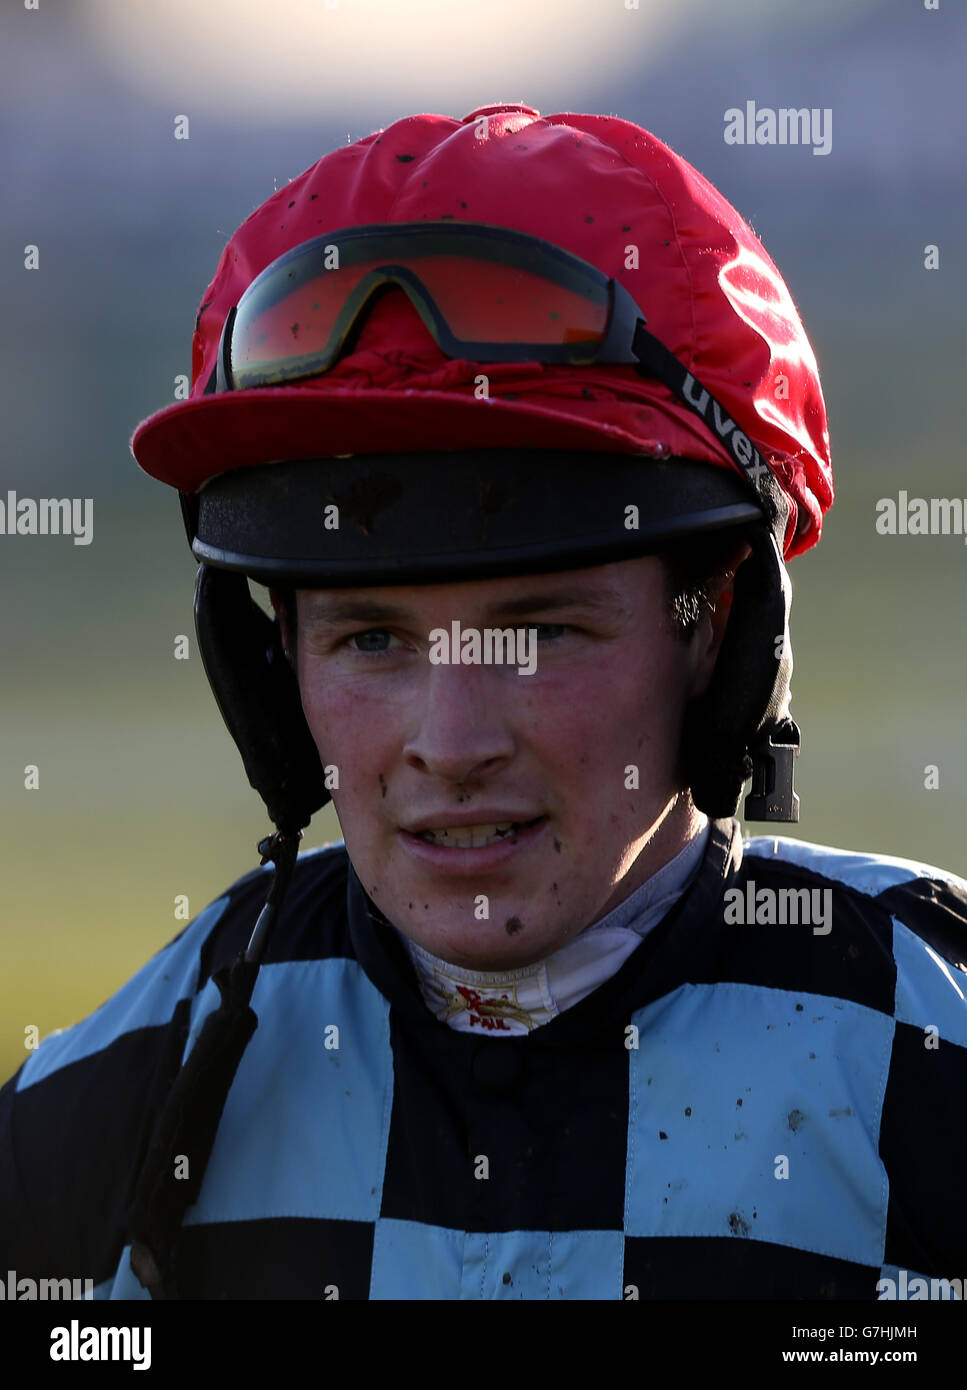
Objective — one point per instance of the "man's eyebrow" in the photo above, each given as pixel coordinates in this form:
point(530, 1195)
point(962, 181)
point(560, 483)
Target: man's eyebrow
point(367, 610)
point(592, 600)
point(353, 610)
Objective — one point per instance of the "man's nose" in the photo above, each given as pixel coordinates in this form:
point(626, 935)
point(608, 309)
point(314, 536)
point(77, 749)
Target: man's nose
point(460, 731)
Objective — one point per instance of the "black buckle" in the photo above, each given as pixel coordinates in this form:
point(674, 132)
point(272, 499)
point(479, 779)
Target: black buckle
point(772, 796)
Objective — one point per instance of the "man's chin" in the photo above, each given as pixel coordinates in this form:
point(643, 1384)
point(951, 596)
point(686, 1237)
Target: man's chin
point(486, 956)
point(512, 936)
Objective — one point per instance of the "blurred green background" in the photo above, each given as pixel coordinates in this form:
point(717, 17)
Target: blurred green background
point(142, 793)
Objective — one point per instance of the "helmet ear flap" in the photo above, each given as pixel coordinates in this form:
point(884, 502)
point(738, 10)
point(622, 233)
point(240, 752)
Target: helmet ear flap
point(258, 695)
point(740, 727)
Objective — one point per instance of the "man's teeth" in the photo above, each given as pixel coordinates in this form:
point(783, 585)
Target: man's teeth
point(471, 836)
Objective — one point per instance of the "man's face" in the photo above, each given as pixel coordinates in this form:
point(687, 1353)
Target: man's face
point(579, 756)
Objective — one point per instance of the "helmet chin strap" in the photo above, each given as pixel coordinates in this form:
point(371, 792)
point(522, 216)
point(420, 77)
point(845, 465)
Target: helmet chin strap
point(193, 1108)
point(741, 726)
point(775, 747)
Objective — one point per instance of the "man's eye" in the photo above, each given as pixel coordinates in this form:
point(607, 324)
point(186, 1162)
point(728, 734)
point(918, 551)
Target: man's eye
point(376, 640)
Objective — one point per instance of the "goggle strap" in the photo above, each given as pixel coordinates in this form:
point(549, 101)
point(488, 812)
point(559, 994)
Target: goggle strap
point(655, 359)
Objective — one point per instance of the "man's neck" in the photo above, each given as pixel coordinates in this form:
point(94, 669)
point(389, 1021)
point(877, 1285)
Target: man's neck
point(679, 825)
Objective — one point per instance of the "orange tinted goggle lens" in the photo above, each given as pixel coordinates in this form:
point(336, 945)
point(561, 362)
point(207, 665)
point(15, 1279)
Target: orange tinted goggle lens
point(288, 325)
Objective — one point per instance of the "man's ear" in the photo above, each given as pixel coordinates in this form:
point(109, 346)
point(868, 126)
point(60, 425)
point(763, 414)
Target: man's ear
point(711, 631)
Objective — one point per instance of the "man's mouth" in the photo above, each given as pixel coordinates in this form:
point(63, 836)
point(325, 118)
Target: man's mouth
point(474, 836)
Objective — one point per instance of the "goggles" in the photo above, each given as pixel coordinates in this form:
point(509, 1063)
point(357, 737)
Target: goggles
point(485, 293)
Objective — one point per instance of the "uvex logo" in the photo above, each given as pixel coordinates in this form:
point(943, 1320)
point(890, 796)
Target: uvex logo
point(740, 445)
